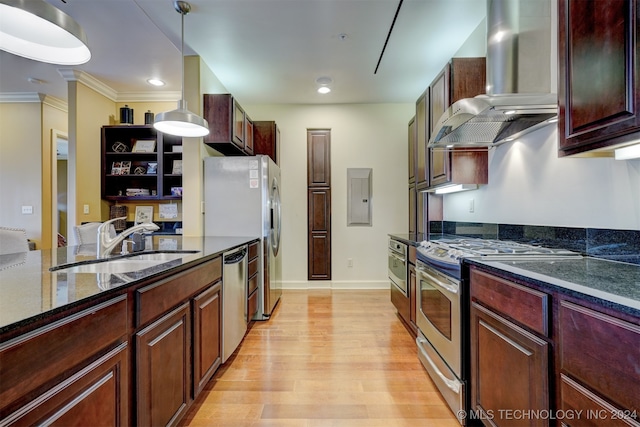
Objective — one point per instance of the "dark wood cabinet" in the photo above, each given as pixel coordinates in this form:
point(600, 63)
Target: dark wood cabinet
point(413, 209)
point(421, 139)
point(599, 74)
point(318, 159)
point(510, 353)
point(207, 342)
point(319, 239)
point(139, 157)
point(411, 137)
point(267, 139)
point(460, 78)
point(163, 369)
point(231, 131)
point(252, 280)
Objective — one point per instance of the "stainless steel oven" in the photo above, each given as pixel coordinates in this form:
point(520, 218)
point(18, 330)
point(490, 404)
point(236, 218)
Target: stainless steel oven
point(397, 267)
point(439, 341)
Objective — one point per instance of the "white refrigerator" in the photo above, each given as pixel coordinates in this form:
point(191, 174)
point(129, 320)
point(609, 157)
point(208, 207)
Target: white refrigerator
point(242, 198)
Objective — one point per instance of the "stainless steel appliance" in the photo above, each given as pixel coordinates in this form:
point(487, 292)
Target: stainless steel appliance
point(234, 300)
point(443, 307)
point(397, 267)
point(242, 198)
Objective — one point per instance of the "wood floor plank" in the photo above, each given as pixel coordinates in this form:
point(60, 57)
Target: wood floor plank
point(326, 358)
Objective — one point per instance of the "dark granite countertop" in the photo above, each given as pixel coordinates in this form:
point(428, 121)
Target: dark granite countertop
point(610, 283)
point(29, 291)
point(414, 239)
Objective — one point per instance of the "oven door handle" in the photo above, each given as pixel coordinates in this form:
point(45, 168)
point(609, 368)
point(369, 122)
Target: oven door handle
point(402, 260)
point(453, 385)
point(434, 281)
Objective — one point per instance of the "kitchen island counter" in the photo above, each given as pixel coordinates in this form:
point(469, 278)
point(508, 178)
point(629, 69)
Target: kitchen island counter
point(608, 283)
point(30, 292)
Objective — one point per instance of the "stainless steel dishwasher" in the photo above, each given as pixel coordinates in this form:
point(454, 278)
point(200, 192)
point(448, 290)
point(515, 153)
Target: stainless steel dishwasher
point(234, 300)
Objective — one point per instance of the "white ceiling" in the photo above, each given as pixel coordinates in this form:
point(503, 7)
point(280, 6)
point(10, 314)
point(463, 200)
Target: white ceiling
point(263, 51)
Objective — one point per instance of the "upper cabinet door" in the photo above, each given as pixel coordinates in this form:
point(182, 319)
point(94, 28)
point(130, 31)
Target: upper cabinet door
point(599, 86)
point(439, 102)
point(412, 150)
point(422, 131)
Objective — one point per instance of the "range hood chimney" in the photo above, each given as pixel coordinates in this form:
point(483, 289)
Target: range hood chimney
point(518, 98)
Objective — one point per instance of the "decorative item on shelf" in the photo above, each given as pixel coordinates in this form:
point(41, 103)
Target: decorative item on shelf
point(136, 192)
point(176, 191)
point(152, 168)
point(126, 115)
point(177, 167)
point(119, 147)
point(143, 214)
point(144, 146)
point(120, 168)
point(118, 211)
point(139, 170)
point(148, 118)
point(168, 211)
point(176, 148)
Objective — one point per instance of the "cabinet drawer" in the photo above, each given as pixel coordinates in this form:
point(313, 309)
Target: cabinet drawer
point(252, 268)
point(31, 360)
point(412, 255)
point(588, 409)
point(252, 284)
point(526, 306)
point(253, 250)
point(160, 297)
point(601, 352)
point(252, 306)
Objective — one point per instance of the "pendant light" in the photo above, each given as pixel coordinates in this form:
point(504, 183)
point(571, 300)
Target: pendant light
point(36, 30)
point(181, 122)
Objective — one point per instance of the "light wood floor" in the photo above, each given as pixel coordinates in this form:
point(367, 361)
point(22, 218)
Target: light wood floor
point(325, 359)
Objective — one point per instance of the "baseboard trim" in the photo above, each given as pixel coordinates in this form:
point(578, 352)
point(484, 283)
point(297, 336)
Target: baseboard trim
point(336, 284)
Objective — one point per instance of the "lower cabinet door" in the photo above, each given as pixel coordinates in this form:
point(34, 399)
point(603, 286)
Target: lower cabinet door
point(207, 343)
point(163, 369)
point(97, 395)
point(509, 371)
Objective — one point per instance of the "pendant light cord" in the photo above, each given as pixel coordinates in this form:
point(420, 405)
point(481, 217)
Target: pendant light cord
point(182, 102)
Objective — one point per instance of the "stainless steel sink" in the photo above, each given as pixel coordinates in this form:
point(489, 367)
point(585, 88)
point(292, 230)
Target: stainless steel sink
point(122, 264)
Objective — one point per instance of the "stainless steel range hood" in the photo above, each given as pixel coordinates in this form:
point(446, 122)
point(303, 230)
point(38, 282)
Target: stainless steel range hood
point(518, 98)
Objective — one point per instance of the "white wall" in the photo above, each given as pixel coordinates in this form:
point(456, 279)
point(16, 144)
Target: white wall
point(362, 136)
point(529, 184)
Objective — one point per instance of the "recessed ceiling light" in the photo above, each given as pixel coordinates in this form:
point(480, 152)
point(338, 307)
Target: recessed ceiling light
point(324, 89)
point(155, 82)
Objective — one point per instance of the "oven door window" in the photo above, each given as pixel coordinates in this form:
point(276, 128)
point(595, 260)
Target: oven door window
point(398, 270)
point(436, 307)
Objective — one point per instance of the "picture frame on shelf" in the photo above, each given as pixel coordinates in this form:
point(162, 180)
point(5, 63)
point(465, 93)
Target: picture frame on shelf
point(152, 168)
point(176, 191)
point(121, 168)
point(144, 146)
point(143, 214)
point(177, 167)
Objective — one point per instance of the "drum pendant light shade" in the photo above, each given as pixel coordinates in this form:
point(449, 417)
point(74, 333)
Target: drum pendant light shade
point(181, 122)
point(39, 31)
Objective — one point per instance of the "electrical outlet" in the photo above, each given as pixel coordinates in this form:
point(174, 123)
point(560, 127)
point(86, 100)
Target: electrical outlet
point(471, 205)
point(349, 262)
point(86, 209)
point(27, 210)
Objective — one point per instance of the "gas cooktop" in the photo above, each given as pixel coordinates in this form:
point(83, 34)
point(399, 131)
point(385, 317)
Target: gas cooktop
point(447, 254)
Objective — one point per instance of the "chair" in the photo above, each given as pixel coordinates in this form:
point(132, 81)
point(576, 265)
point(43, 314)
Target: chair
point(88, 233)
point(13, 240)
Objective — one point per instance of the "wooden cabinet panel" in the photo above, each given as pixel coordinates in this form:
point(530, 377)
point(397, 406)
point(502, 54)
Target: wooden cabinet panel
point(230, 131)
point(163, 374)
point(95, 396)
point(509, 369)
point(319, 210)
point(412, 150)
point(252, 305)
point(439, 161)
point(30, 361)
point(248, 136)
point(412, 209)
point(589, 408)
point(207, 342)
point(253, 251)
point(599, 83)
point(267, 139)
point(319, 159)
point(159, 297)
point(524, 305)
point(422, 132)
point(319, 215)
point(602, 352)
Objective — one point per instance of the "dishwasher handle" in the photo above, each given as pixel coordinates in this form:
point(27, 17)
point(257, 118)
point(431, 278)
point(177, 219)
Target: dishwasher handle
point(235, 257)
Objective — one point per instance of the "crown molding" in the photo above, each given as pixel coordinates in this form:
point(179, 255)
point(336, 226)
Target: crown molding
point(54, 102)
point(150, 96)
point(72, 75)
point(7, 97)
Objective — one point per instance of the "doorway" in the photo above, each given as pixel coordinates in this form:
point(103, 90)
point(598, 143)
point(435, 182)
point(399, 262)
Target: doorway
point(59, 186)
